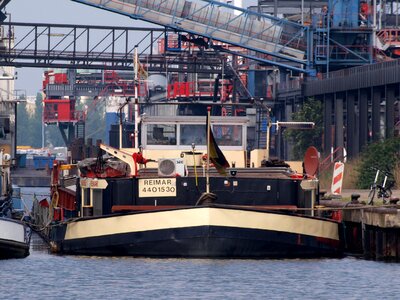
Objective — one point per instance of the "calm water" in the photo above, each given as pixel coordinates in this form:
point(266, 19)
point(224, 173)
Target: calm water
point(47, 276)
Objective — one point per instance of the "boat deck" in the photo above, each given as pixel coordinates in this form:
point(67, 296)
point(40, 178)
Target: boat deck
point(268, 173)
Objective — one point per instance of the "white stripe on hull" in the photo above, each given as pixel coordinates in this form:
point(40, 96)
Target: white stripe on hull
point(207, 216)
point(11, 230)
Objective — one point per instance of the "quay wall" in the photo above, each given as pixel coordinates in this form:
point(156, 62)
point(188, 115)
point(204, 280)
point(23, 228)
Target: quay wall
point(370, 232)
point(373, 233)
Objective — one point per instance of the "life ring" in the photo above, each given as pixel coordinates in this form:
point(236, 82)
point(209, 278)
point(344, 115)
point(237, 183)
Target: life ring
point(53, 203)
point(55, 198)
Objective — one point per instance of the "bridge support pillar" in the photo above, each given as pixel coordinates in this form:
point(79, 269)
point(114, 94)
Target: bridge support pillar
point(376, 113)
point(389, 111)
point(351, 130)
point(363, 117)
point(328, 143)
point(339, 136)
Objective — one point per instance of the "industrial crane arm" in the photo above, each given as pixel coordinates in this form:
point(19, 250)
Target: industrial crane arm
point(122, 155)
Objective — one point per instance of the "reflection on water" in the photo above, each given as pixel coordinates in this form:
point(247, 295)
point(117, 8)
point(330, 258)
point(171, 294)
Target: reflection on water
point(88, 277)
point(46, 276)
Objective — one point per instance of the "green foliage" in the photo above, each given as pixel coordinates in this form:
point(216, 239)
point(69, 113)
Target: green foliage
point(29, 126)
point(383, 155)
point(53, 137)
point(311, 111)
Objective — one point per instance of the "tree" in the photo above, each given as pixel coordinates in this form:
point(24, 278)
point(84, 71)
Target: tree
point(383, 155)
point(29, 126)
point(311, 111)
point(29, 123)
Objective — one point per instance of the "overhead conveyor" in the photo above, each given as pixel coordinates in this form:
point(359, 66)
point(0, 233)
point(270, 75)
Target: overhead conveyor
point(270, 40)
point(3, 4)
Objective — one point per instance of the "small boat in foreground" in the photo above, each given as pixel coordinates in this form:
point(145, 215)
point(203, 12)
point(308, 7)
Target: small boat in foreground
point(14, 242)
point(163, 209)
point(14, 236)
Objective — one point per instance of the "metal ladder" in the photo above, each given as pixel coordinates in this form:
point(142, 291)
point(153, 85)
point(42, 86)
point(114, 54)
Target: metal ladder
point(80, 130)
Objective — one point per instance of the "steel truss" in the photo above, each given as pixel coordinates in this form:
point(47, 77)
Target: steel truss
point(95, 47)
point(274, 41)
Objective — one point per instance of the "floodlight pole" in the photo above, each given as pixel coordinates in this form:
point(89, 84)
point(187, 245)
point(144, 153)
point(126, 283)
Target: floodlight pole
point(296, 125)
point(268, 141)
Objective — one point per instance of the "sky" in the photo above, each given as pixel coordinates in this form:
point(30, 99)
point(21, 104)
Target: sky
point(63, 12)
point(58, 12)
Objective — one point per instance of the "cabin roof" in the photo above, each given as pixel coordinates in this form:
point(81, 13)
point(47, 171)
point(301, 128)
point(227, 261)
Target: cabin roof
point(194, 119)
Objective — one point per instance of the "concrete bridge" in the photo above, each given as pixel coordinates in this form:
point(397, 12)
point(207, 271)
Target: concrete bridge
point(360, 105)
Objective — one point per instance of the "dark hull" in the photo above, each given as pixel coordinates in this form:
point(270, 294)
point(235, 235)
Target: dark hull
point(208, 240)
point(12, 249)
point(203, 242)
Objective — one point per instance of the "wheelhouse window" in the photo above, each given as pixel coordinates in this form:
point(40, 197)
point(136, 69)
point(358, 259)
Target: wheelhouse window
point(180, 132)
point(228, 135)
point(159, 134)
point(196, 134)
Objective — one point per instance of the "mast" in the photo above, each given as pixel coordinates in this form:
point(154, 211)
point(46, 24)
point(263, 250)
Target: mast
point(136, 108)
point(208, 150)
point(120, 127)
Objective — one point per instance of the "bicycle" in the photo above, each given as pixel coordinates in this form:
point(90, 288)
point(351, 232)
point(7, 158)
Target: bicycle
point(384, 189)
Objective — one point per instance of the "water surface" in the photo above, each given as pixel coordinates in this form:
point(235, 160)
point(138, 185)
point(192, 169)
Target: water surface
point(46, 276)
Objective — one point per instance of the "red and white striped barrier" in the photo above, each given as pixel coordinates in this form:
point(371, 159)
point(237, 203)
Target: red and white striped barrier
point(337, 179)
